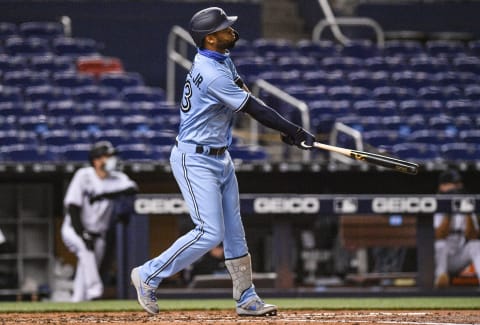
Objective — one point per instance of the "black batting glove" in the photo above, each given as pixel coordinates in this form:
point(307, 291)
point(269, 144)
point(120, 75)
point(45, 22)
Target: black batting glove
point(302, 139)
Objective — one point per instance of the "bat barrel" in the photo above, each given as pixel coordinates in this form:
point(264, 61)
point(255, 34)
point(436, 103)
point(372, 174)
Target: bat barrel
point(385, 161)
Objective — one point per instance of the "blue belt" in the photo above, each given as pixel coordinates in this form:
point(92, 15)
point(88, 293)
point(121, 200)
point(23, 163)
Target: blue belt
point(193, 148)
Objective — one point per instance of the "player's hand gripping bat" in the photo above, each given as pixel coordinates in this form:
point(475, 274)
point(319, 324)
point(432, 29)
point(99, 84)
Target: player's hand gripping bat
point(372, 158)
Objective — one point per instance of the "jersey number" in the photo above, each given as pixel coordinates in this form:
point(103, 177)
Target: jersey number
point(187, 93)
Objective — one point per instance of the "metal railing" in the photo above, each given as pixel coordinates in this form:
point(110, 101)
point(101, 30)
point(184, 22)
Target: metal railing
point(334, 23)
point(178, 36)
point(302, 107)
point(339, 127)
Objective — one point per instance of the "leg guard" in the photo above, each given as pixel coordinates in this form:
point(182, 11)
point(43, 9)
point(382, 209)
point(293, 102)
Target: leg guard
point(240, 270)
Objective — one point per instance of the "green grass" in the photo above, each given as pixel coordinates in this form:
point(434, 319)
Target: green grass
point(283, 303)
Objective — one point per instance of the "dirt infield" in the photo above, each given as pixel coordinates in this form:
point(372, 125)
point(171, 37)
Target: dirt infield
point(443, 317)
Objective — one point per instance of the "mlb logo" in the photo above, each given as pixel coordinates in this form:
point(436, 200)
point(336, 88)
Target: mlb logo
point(347, 205)
point(463, 204)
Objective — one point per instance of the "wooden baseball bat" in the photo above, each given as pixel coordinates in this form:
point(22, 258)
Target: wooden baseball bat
point(372, 158)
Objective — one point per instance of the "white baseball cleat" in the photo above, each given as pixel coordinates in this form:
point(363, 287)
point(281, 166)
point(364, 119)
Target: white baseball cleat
point(256, 307)
point(145, 294)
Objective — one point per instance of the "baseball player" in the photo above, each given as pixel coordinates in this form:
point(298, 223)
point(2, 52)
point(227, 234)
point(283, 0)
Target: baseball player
point(90, 202)
point(203, 168)
point(457, 241)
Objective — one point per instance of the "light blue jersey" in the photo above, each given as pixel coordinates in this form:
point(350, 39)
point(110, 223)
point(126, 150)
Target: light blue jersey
point(210, 99)
point(206, 180)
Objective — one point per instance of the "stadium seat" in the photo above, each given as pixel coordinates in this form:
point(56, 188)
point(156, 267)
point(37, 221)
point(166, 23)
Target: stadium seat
point(367, 79)
point(362, 124)
point(396, 123)
point(325, 78)
point(464, 122)
point(460, 152)
point(61, 138)
point(46, 94)
point(431, 136)
point(348, 93)
point(382, 138)
point(474, 47)
point(12, 63)
point(72, 79)
point(138, 152)
point(460, 107)
point(32, 108)
point(336, 108)
point(470, 136)
point(13, 108)
point(247, 153)
point(75, 47)
point(446, 78)
point(143, 94)
point(341, 63)
point(403, 48)
point(26, 153)
point(394, 93)
point(385, 63)
point(359, 49)
point(69, 108)
point(375, 108)
point(439, 93)
point(300, 63)
point(76, 152)
point(36, 123)
point(135, 123)
point(422, 107)
point(25, 78)
point(10, 94)
point(445, 48)
point(468, 78)
point(416, 152)
point(27, 47)
point(467, 64)
point(307, 93)
point(114, 108)
point(411, 79)
point(160, 138)
point(89, 123)
point(316, 49)
point(281, 78)
point(472, 91)
point(14, 137)
point(94, 93)
point(428, 64)
point(117, 137)
point(249, 68)
point(51, 64)
point(122, 80)
point(43, 29)
point(273, 47)
point(153, 109)
point(442, 122)
point(7, 30)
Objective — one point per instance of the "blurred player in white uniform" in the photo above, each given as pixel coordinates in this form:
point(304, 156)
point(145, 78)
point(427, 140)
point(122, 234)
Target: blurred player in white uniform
point(457, 241)
point(202, 166)
point(93, 198)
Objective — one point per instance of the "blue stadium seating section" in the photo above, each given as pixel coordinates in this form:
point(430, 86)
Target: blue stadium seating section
point(51, 112)
point(416, 100)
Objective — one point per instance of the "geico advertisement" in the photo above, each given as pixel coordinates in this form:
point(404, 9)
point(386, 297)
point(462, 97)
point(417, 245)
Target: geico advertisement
point(286, 205)
point(322, 205)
